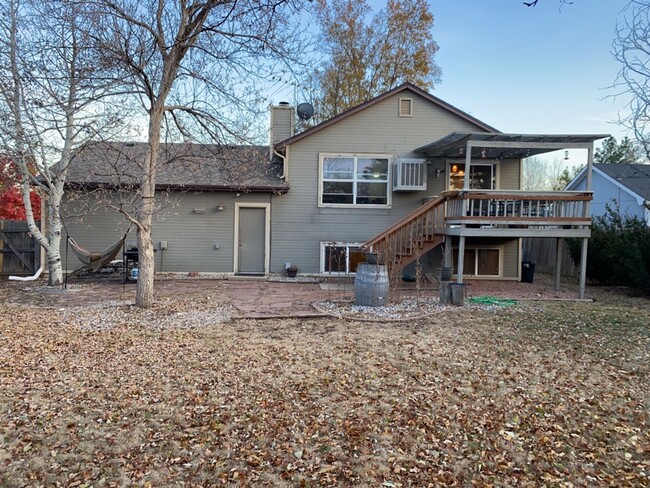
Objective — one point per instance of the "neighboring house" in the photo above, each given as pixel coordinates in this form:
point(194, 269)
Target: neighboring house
point(624, 187)
point(400, 174)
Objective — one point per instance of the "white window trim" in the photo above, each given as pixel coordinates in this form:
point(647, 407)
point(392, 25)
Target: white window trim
point(389, 193)
point(348, 245)
point(478, 162)
point(474, 265)
point(399, 107)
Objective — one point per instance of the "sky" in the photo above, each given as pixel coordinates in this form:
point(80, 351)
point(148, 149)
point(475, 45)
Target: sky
point(530, 69)
point(544, 69)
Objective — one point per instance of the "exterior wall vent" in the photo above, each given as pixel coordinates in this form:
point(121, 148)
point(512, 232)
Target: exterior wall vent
point(405, 107)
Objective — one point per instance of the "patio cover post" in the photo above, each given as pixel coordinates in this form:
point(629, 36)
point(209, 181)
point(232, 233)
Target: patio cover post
point(590, 166)
point(468, 162)
point(558, 261)
point(583, 267)
point(461, 257)
point(466, 180)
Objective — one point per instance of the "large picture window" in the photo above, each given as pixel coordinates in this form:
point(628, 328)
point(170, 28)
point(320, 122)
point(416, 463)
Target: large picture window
point(480, 262)
point(354, 180)
point(341, 257)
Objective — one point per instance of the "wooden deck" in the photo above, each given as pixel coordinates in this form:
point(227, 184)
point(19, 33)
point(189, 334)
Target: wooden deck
point(483, 213)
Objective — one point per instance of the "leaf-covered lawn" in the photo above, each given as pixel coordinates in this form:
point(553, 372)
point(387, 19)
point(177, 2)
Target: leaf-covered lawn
point(553, 394)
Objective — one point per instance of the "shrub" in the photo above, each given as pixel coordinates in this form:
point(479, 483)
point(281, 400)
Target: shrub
point(618, 251)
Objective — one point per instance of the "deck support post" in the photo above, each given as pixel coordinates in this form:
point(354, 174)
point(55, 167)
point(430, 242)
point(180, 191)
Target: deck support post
point(461, 257)
point(558, 261)
point(583, 268)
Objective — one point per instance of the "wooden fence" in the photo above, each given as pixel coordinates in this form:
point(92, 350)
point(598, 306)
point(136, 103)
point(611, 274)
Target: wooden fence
point(19, 252)
point(542, 251)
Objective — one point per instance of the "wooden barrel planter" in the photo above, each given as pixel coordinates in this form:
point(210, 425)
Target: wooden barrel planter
point(371, 285)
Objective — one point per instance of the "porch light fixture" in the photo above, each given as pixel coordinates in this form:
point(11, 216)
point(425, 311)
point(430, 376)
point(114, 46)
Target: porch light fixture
point(566, 155)
point(220, 207)
point(483, 153)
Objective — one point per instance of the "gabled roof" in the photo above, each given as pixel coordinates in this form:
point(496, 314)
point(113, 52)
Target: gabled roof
point(636, 177)
point(188, 166)
point(401, 88)
point(632, 178)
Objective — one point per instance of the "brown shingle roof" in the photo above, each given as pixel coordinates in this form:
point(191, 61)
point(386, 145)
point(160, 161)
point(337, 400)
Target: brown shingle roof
point(189, 166)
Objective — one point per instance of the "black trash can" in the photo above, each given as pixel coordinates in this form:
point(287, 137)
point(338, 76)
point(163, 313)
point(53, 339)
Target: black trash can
point(527, 271)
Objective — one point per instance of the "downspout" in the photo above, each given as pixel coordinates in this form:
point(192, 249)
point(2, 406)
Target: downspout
point(284, 163)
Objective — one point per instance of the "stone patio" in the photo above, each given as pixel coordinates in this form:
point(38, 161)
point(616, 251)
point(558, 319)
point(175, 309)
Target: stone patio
point(258, 298)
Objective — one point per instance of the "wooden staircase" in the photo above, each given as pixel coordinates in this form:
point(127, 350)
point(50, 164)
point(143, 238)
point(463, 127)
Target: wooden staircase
point(411, 237)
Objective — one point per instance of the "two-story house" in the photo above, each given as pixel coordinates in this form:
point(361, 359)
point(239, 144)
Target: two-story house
point(405, 175)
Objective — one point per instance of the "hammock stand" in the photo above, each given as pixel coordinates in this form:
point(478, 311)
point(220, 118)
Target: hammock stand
point(92, 260)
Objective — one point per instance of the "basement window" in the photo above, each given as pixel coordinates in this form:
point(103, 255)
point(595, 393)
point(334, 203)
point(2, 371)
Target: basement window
point(341, 258)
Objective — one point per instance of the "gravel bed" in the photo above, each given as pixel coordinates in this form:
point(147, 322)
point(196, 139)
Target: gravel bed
point(165, 314)
point(297, 279)
point(407, 309)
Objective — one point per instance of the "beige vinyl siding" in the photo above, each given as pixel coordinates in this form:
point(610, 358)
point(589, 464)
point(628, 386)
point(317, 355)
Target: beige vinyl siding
point(190, 236)
point(299, 225)
point(510, 174)
point(511, 259)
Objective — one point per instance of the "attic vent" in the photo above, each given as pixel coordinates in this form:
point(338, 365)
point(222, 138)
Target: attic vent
point(405, 107)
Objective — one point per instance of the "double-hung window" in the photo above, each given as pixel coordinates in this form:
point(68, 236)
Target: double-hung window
point(360, 180)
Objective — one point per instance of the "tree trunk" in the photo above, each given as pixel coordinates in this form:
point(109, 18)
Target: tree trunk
point(144, 289)
point(51, 239)
point(53, 249)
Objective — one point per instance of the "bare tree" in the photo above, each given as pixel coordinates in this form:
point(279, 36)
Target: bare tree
point(632, 50)
point(51, 92)
point(189, 63)
point(534, 174)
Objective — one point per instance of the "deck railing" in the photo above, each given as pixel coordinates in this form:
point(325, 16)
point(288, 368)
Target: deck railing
point(416, 233)
point(499, 206)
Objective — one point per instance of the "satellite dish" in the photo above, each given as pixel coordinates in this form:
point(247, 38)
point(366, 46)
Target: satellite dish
point(305, 111)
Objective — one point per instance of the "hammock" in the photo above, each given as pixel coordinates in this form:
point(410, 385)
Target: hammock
point(95, 260)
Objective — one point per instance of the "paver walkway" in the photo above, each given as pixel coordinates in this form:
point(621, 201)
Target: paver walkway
point(252, 298)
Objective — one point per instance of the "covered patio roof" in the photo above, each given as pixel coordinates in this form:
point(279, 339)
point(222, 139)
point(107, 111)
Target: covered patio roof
point(497, 145)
